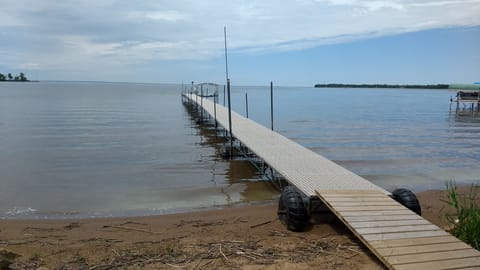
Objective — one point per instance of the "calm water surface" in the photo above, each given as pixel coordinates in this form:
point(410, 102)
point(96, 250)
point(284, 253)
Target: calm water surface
point(112, 149)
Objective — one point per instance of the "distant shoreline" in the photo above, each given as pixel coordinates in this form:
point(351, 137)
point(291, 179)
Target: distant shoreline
point(404, 86)
point(407, 86)
point(17, 81)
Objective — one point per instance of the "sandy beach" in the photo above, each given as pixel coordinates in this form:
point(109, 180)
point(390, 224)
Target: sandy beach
point(248, 237)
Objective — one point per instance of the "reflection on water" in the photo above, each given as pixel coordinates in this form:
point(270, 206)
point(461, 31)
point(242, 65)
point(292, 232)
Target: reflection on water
point(240, 173)
point(465, 118)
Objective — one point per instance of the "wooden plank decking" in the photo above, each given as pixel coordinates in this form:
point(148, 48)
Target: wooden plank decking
point(397, 236)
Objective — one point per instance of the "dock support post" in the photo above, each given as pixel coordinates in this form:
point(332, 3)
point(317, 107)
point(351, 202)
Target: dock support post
point(230, 117)
point(215, 97)
point(201, 102)
point(246, 103)
point(271, 104)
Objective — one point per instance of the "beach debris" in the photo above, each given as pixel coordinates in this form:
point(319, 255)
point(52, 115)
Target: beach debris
point(251, 250)
point(130, 229)
point(210, 223)
point(231, 253)
point(39, 229)
point(263, 223)
point(201, 223)
point(101, 240)
point(76, 263)
point(220, 250)
point(274, 233)
point(132, 223)
point(17, 242)
point(72, 226)
point(187, 222)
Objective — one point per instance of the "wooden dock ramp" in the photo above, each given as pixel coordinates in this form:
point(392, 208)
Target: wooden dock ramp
point(397, 236)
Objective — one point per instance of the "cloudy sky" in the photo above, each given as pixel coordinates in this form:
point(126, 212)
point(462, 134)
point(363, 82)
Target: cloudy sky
point(299, 42)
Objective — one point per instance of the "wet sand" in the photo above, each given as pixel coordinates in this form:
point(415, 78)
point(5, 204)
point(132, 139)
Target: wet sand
point(249, 237)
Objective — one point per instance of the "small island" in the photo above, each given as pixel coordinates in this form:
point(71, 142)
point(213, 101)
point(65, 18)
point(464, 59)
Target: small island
point(9, 78)
point(410, 86)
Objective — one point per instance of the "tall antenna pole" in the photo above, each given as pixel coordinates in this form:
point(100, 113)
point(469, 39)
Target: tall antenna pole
point(228, 93)
point(226, 58)
point(271, 105)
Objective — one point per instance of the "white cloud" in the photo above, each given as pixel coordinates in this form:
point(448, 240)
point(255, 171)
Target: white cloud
point(166, 15)
point(369, 5)
point(110, 33)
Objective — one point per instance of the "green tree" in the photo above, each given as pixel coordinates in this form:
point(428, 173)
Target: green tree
point(10, 77)
point(22, 77)
point(2, 77)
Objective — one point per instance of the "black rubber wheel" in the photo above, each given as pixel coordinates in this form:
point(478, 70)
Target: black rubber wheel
point(408, 199)
point(292, 211)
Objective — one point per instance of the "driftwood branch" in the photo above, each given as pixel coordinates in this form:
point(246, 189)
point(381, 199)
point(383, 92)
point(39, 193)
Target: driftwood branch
point(221, 252)
point(261, 224)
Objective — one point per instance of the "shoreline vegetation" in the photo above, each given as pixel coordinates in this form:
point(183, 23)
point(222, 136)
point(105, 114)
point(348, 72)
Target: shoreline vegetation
point(406, 86)
point(10, 78)
point(465, 221)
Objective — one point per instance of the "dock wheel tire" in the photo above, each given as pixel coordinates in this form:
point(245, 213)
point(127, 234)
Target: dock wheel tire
point(291, 210)
point(408, 199)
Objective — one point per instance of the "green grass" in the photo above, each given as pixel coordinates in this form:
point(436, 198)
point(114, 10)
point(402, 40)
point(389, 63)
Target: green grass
point(465, 221)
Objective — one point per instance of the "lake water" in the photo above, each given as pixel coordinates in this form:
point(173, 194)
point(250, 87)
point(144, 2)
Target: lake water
point(116, 149)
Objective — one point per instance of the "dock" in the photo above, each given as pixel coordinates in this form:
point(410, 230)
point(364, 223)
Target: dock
point(397, 236)
point(467, 99)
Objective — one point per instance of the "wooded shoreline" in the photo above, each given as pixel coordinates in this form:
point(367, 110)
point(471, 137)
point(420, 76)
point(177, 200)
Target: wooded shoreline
point(408, 86)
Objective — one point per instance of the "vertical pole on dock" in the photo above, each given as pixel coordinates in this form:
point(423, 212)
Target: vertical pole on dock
point(201, 103)
point(271, 104)
point(228, 93)
point(224, 96)
point(226, 58)
point(230, 117)
point(246, 103)
point(215, 97)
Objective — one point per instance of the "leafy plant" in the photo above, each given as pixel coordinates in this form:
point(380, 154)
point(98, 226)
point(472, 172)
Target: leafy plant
point(465, 221)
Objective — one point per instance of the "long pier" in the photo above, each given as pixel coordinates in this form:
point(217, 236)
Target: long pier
point(399, 238)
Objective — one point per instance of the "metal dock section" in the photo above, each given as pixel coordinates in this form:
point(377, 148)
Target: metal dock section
point(300, 166)
point(397, 236)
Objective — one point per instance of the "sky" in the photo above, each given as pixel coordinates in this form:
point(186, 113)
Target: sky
point(296, 42)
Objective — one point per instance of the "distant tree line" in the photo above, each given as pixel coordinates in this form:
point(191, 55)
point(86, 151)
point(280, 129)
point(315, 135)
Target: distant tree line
point(18, 78)
point(416, 86)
